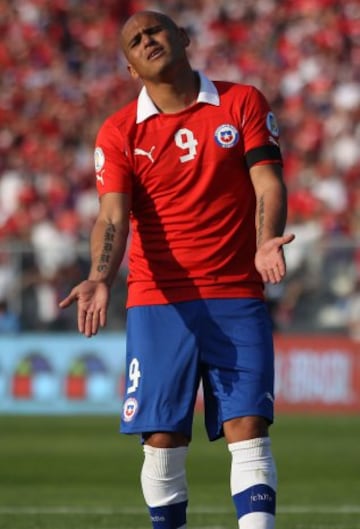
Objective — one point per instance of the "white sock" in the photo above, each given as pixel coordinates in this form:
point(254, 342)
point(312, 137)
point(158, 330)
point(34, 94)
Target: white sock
point(164, 486)
point(253, 483)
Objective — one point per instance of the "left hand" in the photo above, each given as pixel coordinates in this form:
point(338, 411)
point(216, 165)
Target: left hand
point(270, 260)
point(92, 299)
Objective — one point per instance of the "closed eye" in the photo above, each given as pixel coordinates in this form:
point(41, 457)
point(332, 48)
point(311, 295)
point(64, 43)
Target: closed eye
point(153, 30)
point(135, 41)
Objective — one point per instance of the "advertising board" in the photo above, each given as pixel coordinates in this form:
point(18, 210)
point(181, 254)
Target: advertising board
point(62, 374)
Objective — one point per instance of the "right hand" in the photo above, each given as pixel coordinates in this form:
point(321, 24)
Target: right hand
point(92, 302)
point(270, 260)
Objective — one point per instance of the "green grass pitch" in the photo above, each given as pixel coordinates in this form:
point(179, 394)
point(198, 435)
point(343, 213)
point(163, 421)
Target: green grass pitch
point(80, 473)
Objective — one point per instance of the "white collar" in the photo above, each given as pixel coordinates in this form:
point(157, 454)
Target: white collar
point(207, 94)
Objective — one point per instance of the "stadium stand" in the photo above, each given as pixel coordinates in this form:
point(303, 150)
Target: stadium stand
point(62, 73)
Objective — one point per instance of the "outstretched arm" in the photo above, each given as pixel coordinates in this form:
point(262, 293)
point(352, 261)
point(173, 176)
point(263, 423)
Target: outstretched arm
point(271, 212)
point(107, 247)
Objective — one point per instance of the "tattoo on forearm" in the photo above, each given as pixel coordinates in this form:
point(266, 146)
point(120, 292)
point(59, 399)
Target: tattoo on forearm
point(105, 257)
point(261, 214)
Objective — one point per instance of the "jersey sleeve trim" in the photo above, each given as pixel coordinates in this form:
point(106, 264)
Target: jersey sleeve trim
point(264, 153)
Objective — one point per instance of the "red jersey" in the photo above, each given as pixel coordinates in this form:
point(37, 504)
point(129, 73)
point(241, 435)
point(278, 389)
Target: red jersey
point(193, 204)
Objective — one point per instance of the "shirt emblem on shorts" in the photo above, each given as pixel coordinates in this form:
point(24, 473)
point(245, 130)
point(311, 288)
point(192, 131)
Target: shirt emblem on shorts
point(226, 136)
point(130, 408)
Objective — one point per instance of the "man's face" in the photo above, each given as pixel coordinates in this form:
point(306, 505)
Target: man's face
point(152, 45)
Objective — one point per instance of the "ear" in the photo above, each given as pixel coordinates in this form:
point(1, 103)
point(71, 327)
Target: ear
point(132, 71)
point(184, 37)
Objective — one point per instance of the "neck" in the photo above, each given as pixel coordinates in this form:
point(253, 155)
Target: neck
point(174, 96)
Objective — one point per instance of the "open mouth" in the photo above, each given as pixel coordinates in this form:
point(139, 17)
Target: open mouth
point(157, 52)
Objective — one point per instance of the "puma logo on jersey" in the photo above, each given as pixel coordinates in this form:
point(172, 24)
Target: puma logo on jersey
point(273, 140)
point(100, 177)
point(148, 154)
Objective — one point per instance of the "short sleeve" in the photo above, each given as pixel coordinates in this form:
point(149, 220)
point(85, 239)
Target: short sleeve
point(260, 130)
point(112, 167)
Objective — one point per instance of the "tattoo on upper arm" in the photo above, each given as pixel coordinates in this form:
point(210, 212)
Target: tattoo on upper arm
point(261, 219)
point(105, 256)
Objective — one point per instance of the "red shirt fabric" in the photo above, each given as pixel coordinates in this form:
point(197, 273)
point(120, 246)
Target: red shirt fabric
point(193, 204)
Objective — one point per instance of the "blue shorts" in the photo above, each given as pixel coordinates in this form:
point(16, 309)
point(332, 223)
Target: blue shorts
point(226, 344)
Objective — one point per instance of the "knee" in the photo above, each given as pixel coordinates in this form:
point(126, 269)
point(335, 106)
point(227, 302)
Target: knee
point(165, 439)
point(244, 428)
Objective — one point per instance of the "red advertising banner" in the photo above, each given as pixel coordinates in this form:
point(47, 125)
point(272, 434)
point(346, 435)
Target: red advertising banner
point(317, 374)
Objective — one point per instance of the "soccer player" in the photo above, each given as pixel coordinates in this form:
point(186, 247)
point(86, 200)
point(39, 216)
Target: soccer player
point(196, 168)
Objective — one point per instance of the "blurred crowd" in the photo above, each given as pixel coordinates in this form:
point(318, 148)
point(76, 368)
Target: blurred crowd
point(62, 72)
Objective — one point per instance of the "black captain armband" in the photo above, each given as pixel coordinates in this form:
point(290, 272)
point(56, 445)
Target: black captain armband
point(265, 152)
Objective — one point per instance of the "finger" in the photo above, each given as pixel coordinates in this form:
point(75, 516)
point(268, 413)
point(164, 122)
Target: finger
point(289, 237)
point(273, 276)
point(67, 301)
point(265, 276)
point(81, 320)
point(280, 268)
point(95, 323)
point(103, 317)
point(88, 324)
